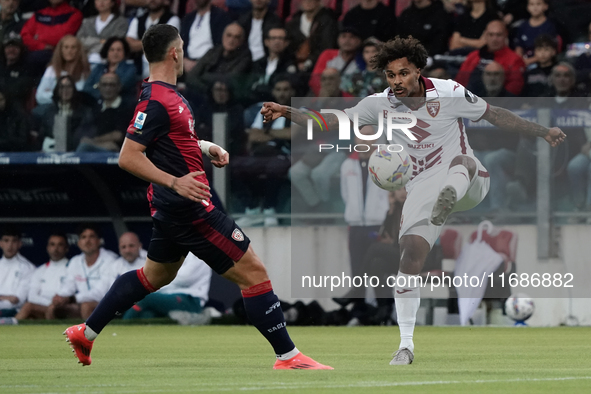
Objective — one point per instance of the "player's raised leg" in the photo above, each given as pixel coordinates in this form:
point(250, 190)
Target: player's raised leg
point(414, 251)
point(264, 311)
point(459, 177)
point(128, 289)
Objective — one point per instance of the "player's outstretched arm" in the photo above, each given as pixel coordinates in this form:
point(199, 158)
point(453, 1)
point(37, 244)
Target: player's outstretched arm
point(133, 160)
point(507, 120)
point(272, 111)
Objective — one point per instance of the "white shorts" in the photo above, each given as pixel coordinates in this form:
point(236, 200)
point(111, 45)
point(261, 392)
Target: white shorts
point(423, 193)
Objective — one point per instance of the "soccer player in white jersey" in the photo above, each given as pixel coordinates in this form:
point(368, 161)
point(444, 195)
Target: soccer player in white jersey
point(446, 175)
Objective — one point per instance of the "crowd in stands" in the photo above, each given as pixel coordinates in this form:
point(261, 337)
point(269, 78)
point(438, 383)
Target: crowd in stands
point(70, 74)
point(72, 288)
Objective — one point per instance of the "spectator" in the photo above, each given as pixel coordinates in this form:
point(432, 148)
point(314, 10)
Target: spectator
point(313, 29)
point(46, 28)
point(231, 59)
point(366, 82)
point(68, 59)
point(535, 26)
point(116, 53)
point(15, 80)
point(469, 27)
point(11, 20)
point(46, 280)
point(563, 80)
point(111, 119)
point(366, 206)
point(255, 23)
point(14, 126)
point(96, 30)
point(159, 13)
point(221, 99)
point(133, 256)
point(201, 30)
point(496, 150)
point(259, 175)
point(493, 79)
point(330, 84)
point(371, 18)
point(428, 21)
point(277, 62)
point(66, 120)
point(16, 273)
point(88, 277)
point(470, 74)
point(182, 300)
point(348, 60)
point(537, 76)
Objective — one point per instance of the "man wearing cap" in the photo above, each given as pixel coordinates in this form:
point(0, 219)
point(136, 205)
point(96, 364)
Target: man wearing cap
point(15, 79)
point(10, 19)
point(347, 59)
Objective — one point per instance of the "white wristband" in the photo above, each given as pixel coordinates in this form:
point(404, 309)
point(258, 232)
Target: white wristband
point(205, 145)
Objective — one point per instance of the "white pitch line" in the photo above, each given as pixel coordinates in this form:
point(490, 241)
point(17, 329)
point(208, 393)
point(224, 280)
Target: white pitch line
point(299, 385)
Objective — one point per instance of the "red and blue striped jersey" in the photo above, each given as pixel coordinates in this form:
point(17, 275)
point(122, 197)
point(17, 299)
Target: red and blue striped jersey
point(163, 122)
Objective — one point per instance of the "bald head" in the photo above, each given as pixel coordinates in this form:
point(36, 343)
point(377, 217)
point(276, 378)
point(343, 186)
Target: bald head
point(129, 247)
point(496, 35)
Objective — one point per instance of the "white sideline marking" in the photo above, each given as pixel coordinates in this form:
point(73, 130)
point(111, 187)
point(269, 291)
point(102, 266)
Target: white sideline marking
point(295, 386)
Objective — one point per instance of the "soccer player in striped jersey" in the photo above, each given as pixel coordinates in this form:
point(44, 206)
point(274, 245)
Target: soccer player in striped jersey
point(161, 147)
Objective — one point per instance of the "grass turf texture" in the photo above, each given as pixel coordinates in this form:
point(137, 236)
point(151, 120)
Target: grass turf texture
point(175, 359)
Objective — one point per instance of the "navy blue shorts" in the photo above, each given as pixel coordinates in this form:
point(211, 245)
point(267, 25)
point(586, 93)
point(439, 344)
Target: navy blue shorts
point(214, 238)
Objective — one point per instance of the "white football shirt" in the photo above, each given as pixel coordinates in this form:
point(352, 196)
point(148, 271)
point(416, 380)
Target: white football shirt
point(439, 130)
point(46, 281)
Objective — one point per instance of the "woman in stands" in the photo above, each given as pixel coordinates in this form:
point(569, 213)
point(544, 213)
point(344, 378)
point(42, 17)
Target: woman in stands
point(96, 30)
point(67, 119)
point(115, 53)
point(68, 59)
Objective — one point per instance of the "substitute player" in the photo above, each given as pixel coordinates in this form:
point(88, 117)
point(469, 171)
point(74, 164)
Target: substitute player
point(161, 147)
point(446, 175)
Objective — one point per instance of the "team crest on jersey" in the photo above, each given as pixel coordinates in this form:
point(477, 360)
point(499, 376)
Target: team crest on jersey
point(433, 108)
point(237, 235)
point(139, 120)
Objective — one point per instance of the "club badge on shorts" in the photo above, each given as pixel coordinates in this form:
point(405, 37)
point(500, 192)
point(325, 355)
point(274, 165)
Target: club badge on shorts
point(237, 235)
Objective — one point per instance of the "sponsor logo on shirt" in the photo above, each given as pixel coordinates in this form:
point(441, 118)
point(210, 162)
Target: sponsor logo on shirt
point(139, 120)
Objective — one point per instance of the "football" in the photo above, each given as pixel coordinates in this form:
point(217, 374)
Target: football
point(519, 307)
point(389, 170)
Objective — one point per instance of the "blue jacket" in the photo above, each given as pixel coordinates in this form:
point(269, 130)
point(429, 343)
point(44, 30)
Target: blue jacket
point(127, 76)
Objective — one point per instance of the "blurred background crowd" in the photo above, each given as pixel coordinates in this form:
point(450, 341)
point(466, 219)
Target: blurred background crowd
point(70, 73)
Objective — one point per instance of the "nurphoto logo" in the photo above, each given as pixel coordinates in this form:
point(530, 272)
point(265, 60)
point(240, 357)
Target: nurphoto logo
point(395, 121)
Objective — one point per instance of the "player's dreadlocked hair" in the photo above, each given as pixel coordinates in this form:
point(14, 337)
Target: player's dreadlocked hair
point(397, 48)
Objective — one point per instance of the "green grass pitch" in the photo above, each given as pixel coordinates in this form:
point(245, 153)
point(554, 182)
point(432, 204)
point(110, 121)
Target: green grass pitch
point(175, 359)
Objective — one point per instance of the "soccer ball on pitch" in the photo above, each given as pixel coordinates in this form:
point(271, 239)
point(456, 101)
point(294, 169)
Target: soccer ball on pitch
point(519, 307)
point(389, 170)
